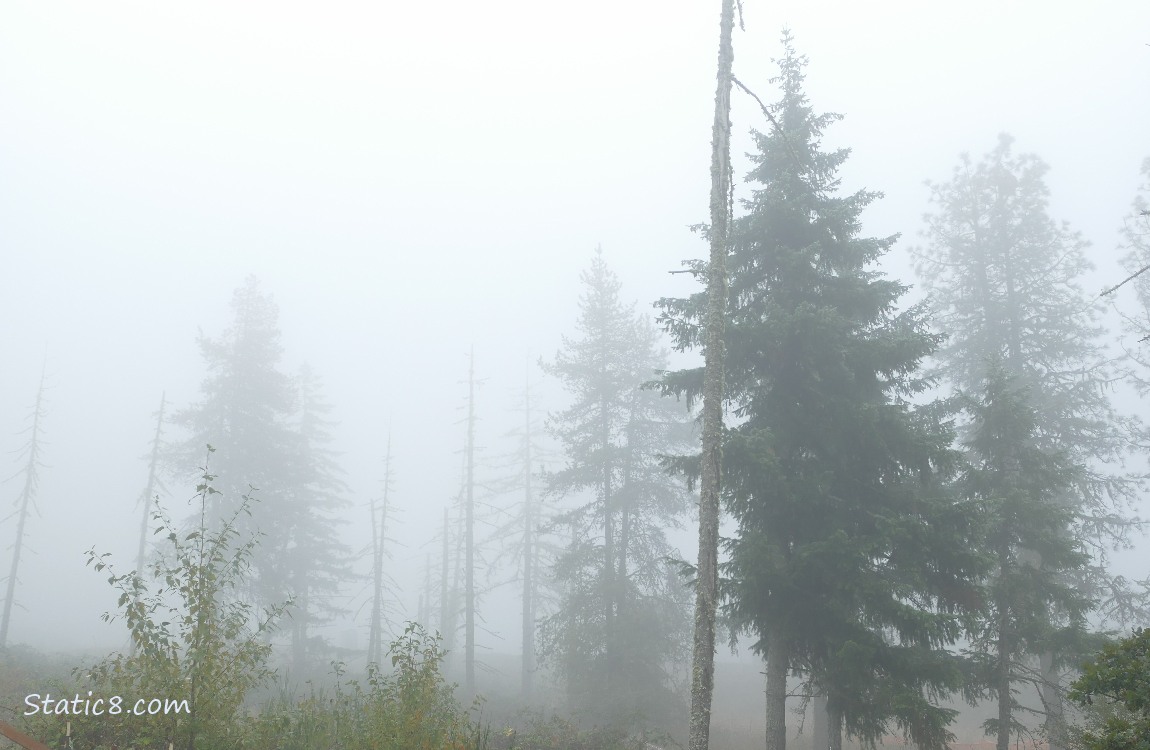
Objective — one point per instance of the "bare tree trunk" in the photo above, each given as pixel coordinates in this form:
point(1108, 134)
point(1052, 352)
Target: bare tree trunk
point(706, 591)
point(443, 585)
point(1002, 671)
point(528, 661)
point(150, 489)
point(608, 548)
point(820, 723)
point(469, 584)
point(378, 538)
point(778, 661)
point(26, 502)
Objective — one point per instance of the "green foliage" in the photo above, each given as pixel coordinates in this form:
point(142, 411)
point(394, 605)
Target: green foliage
point(271, 431)
point(621, 624)
point(1116, 685)
point(410, 707)
point(849, 545)
point(193, 638)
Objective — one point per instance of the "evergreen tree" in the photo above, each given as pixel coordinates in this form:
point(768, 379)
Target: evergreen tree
point(619, 623)
point(1019, 491)
point(270, 433)
point(1004, 278)
point(318, 560)
point(851, 558)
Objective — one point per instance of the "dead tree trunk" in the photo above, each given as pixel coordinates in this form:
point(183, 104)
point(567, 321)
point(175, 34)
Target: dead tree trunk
point(706, 593)
point(24, 504)
point(528, 667)
point(378, 538)
point(150, 489)
point(469, 580)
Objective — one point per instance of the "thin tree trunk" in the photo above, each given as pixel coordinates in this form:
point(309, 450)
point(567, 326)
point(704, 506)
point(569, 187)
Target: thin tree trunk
point(820, 723)
point(528, 660)
point(778, 661)
point(834, 726)
point(609, 593)
point(707, 586)
point(469, 585)
point(150, 489)
point(443, 587)
point(25, 503)
point(1052, 703)
point(1002, 670)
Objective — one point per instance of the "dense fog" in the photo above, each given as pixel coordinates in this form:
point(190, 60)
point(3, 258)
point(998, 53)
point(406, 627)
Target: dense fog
point(424, 200)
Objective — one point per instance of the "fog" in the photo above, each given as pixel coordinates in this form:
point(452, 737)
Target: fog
point(409, 181)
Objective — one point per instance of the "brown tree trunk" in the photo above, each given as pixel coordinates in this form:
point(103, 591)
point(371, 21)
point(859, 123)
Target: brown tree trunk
point(706, 592)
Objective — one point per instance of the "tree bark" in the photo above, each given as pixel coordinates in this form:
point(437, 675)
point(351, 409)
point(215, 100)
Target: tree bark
point(778, 660)
point(528, 666)
point(1052, 703)
point(834, 726)
point(469, 581)
point(820, 723)
point(706, 592)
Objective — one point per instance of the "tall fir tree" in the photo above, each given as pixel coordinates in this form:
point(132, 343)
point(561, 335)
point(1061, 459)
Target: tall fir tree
point(1005, 283)
point(1019, 491)
point(619, 621)
point(270, 433)
point(851, 558)
point(318, 560)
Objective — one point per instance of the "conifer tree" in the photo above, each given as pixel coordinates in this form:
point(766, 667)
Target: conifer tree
point(1019, 490)
point(271, 432)
point(1005, 283)
point(849, 551)
point(618, 623)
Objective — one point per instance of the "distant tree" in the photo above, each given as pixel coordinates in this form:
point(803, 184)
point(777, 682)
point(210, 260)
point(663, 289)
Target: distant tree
point(379, 519)
point(319, 561)
point(25, 503)
point(1004, 280)
point(618, 625)
point(521, 528)
point(1019, 492)
point(149, 494)
point(270, 432)
point(1136, 242)
point(851, 558)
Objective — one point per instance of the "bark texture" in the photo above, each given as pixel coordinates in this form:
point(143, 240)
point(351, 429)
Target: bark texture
point(706, 594)
point(778, 659)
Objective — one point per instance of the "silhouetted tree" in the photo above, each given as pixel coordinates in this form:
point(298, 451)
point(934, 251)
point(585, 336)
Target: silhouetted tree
point(270, 431)
point(25, 503)
point(616, 628)
point(1004, 280)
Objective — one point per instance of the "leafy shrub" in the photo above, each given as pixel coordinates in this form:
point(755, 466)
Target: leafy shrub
point(411, 707)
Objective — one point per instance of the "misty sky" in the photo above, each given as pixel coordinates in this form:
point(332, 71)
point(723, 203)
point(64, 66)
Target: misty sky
point(409, 179)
